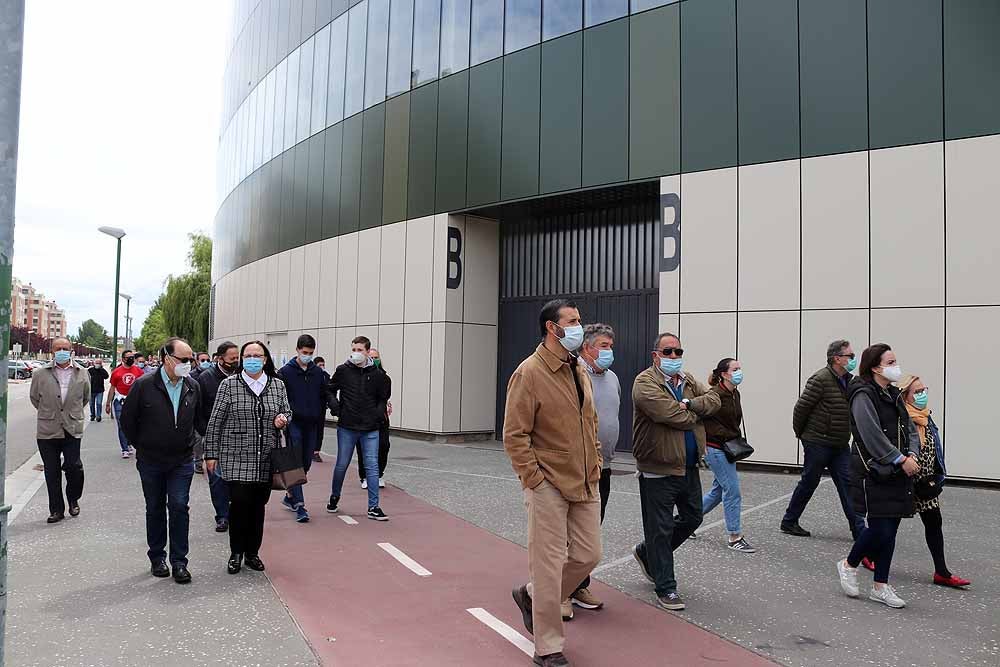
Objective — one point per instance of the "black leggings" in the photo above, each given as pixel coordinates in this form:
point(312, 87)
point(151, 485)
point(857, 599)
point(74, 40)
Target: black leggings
point(935, 539)
point(246, 516)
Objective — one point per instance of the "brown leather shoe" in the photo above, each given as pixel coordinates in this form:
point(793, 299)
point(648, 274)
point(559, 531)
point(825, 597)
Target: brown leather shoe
point(523, 602)
point(551, 660)
point(74, 509)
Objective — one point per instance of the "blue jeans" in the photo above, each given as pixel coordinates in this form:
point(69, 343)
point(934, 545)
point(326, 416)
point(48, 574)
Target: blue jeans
point(220, 494)
point(346, 440)
point(877, 542)
point(116, 405)
point(96, 403)
point(725, 488)
point(167, 488)
point(306, 436)
point(815, 459)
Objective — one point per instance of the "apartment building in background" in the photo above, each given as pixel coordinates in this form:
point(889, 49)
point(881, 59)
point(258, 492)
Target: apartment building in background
point(30, 309)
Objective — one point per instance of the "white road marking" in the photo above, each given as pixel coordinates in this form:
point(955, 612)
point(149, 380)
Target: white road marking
point(705, 527)
point(348, 520)
point(405, 561)
point(504, 630)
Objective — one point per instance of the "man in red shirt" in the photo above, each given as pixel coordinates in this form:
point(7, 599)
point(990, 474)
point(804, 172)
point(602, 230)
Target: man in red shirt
point(122, 379)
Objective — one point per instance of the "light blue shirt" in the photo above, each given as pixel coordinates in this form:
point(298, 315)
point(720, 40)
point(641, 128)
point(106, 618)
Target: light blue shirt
point(173, 390)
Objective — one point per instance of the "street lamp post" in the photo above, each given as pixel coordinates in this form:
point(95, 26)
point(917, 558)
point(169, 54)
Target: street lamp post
point(30, 331)
point(128, 320)
point(118, 234)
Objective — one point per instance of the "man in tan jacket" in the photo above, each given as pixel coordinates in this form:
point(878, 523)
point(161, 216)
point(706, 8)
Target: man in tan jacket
point(668, 440)
point(550, 434)
point(60, 392)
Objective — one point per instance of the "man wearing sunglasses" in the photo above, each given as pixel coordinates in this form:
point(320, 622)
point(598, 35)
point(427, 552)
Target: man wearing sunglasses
point(159, 418)
point(821, 420)
point(668, 440)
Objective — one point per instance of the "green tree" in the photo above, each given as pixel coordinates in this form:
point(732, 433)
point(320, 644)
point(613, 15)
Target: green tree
point(182, 309)
point(93, 334)
point(154, 331)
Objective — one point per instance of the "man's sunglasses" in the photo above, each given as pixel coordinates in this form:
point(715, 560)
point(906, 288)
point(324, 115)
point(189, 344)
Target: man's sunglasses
point(849, 356)
point(185, 360)
point(667, 351)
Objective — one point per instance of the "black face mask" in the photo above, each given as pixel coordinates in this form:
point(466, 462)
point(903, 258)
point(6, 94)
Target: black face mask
point(228, 367)
point(129, 361)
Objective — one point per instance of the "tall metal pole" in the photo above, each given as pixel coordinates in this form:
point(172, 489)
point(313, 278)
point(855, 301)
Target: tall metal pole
point(11, 57)
point(128, 320)
point(114, 336)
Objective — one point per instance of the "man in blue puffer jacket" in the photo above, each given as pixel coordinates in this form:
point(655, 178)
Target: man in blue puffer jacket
point(305, 383)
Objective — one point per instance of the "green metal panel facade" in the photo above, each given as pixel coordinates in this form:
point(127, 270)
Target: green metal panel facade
point(691, 86)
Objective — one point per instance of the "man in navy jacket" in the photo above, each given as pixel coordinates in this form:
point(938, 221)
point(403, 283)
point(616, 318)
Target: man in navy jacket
point(305, 383)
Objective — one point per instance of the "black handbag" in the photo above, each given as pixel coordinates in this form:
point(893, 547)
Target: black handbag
point(286, 467)
point(927, 488)
point(738, 449)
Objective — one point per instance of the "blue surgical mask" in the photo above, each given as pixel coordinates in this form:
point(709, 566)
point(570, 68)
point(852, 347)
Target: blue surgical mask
point(306, 358)
point(205, 365)
point(141, 364)
point(604, 359)
point(851, 365)
point(671, 367)
point(572, 338)
point(737, 377)
point(62, 356)
point(253, 365)
point(920, 399)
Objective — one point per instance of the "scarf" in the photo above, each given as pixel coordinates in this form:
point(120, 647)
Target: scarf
point(919, 418)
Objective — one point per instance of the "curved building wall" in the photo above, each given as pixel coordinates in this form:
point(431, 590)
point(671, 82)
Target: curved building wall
point(834, 162)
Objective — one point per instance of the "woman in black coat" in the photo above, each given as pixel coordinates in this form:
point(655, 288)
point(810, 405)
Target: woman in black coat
point(250, 410)
point(883, 463)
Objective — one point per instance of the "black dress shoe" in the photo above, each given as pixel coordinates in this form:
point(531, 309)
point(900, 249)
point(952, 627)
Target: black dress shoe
point(523, 602)
point(222, 525)
point(255, 563)
point(74, 509)
point(794, 529)
point(55, 517)
point(551, 660)
point(98, 420)
point(235, 563)
point(160, 569)
point(181, 575)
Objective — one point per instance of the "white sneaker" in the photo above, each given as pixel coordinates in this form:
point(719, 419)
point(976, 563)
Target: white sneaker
point(125, 455)
point(364, 484)
point(886, 596)
point(381, 483)
point(848, 579)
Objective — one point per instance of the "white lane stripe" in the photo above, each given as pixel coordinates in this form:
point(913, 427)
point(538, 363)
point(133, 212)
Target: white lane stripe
point(473, 474)
point(405, 561)
point(504, 630)
point(348, 520)
point(630, 558)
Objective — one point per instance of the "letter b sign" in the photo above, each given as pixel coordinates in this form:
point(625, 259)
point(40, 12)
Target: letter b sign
point(454, 258)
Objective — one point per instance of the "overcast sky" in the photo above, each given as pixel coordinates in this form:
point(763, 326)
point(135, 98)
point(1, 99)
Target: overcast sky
point(120, 106)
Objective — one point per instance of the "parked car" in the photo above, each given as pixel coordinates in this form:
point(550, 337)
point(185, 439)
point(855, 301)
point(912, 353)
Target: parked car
point(18, 370)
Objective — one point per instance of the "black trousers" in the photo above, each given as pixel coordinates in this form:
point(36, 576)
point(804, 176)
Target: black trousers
point(383, 454)
point(663, 533)
point(604, 488)
point(319, 436)
point(62, 455)
point(246, 516)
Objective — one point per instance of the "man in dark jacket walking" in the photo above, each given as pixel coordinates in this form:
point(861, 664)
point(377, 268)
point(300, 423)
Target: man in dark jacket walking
point(822, 421)
point(358, 393)
point(98, 376)
point(158, 418)
point(305, 383)
point(227, 361)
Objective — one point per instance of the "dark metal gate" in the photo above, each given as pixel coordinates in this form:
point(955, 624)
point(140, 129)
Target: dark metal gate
point(600, 249)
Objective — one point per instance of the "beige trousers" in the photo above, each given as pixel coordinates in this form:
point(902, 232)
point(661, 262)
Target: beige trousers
point(564, 545)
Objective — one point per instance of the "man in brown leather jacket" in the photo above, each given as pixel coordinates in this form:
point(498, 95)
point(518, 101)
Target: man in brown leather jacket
point(550, 434)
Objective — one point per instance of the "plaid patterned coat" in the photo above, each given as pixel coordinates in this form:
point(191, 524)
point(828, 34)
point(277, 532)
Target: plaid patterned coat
point(241, 433)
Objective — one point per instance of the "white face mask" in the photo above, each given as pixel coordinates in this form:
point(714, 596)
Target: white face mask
point(572, 338)
point(182, 370)
point(892, 373)
point(359, 358)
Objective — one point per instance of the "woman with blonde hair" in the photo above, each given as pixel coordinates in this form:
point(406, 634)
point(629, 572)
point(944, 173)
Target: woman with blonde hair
point(928, 482)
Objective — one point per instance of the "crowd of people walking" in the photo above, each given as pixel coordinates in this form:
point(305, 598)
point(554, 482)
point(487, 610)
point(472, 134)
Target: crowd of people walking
point(557, 434)
point(225, 414)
